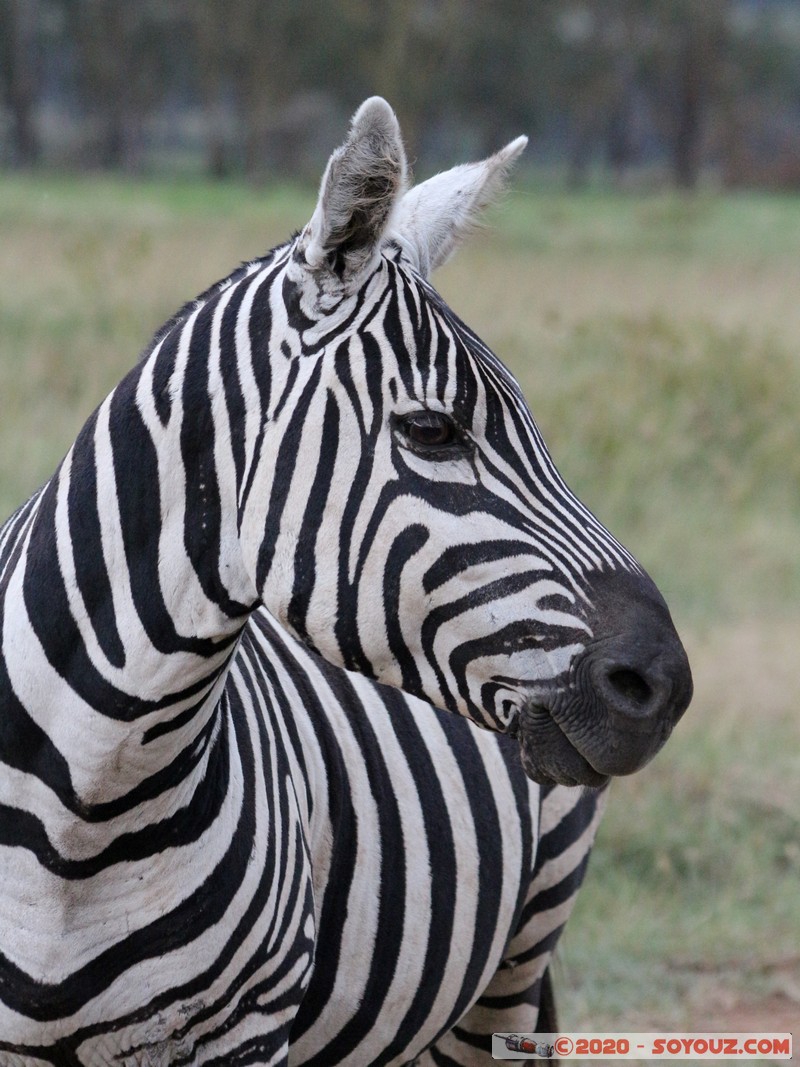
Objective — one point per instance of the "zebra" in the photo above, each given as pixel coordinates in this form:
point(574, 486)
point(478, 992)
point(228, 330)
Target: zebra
point(312, 671)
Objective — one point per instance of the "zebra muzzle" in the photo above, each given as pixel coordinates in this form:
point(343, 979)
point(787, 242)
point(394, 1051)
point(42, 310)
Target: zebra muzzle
point(624, 693)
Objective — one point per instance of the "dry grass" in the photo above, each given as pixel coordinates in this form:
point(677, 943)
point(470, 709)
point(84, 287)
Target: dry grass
point(562, 292)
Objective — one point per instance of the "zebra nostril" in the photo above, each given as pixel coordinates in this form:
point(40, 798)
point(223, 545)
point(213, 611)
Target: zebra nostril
point(630, 686)
point(631, 692)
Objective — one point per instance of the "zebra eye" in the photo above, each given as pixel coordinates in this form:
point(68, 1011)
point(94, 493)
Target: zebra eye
point(429, 429)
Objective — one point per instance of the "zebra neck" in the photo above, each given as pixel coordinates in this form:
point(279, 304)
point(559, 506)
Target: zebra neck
point(115, 639)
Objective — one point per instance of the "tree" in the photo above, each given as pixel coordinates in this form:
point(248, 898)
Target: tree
point(126, 58)
point(20, 66)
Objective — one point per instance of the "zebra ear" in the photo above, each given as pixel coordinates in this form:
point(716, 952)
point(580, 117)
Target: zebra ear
point(361, 185)
point(435, 216)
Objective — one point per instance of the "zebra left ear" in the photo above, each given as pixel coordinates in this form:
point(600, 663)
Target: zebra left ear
point(361, 185)
point(435, 216)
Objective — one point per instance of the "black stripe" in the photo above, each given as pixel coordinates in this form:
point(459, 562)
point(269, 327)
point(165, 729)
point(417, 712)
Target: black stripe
point(306, 547)
point(202, 530)
point(86, 538)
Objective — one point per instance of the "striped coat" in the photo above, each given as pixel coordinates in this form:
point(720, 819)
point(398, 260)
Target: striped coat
point(244, 818)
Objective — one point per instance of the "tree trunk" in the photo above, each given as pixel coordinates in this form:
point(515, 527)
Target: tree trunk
point(22, 79)
point(688, 125)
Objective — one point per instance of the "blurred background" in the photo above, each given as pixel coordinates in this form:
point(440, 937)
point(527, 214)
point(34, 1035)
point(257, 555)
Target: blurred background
point(642, 279)
point(664, 90)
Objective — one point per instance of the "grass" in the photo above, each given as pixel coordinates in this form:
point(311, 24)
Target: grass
point(657, 340)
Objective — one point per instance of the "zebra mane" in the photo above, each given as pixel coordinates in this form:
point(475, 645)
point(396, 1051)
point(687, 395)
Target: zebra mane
point(242, 271)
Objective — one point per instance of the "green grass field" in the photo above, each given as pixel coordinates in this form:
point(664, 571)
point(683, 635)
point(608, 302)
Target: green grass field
point(657, 341)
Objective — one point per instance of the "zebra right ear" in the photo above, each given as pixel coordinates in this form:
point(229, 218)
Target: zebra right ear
point(363, 182)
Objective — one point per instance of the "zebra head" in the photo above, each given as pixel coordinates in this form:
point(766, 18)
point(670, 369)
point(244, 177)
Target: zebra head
point(399, 510)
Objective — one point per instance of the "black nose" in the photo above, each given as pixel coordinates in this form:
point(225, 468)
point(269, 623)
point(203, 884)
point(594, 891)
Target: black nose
point(637, 665)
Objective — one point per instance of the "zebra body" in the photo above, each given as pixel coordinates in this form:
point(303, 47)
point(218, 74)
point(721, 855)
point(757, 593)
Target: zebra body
point(404, 834)
point(233, 829)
